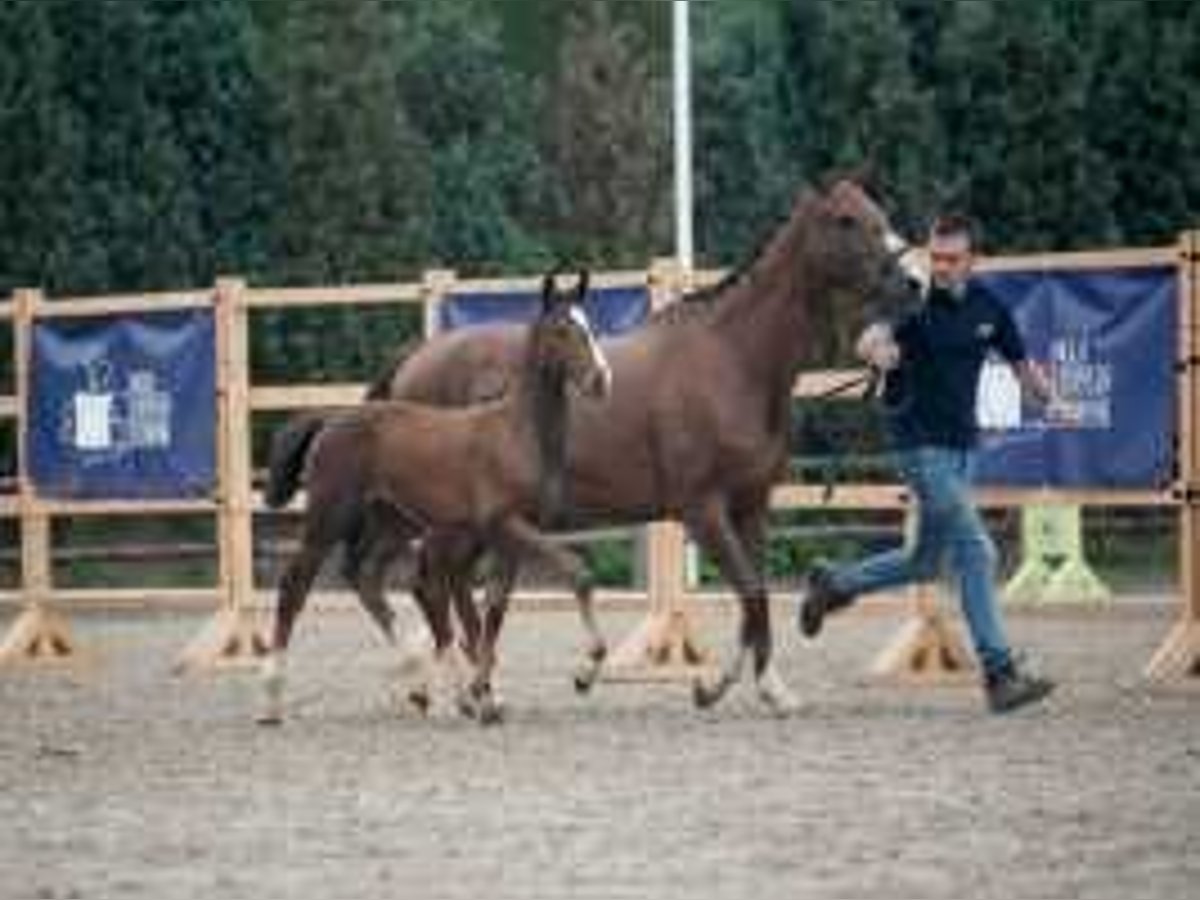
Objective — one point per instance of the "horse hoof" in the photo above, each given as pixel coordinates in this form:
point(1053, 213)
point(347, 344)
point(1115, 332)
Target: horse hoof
point(703, 696)
point(491, 714)
point(468, 708)
point(781, 708)
point(269, 720)
point(778, 697)
point(419, 700)
point(583, 683)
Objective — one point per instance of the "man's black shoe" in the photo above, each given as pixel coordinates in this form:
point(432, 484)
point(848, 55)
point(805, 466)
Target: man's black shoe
point(1010, 689)
point(820, 599)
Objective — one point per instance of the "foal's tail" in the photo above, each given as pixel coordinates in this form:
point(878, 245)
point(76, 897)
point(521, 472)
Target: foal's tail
point(289, 448)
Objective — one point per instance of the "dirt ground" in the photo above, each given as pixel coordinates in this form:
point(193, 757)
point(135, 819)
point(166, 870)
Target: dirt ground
point(136, 784)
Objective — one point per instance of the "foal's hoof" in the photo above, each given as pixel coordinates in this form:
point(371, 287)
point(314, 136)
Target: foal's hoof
point(468, 706)
point(704, 696)
point(269, 720)
point(491, 714)
point(584, 681)
point(419, 700)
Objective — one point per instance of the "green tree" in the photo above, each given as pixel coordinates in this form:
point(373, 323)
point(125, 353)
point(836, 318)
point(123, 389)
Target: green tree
point(1015, 78)
point(40, 155)
point(355, 191)
point(858, 102)
point(476, 114)
point(608, 144)
point(1142, 111)
point(134, 212)
point(209, 84)
point(748, 167)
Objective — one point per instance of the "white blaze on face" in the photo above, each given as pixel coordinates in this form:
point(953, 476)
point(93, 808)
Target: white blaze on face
point(913, 261)
point(599, 360)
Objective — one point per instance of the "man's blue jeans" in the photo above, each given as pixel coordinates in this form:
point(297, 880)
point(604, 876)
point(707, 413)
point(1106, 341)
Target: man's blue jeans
point(949, 528)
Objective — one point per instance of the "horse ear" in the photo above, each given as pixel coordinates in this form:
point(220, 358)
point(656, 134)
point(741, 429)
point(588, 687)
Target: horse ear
point(548, 292)
point(863, 175)
point(581, 288)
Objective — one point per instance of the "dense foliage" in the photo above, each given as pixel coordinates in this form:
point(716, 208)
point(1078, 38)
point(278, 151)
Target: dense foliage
point(156, 144)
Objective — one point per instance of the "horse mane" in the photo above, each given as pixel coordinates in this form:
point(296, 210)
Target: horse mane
point(380, 387)
point(700, 303)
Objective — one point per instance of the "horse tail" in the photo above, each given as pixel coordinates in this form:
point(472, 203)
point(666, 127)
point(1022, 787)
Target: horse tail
point(289, 448)
point(381, 387)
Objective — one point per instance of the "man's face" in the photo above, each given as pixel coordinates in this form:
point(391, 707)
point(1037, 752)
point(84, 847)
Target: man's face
point(950, 260)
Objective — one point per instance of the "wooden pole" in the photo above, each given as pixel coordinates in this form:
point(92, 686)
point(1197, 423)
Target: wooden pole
point(436, 284)
point(231, 639)
point(927, 650)
point(663, 646)
point(38, 636)
point(1178, 658)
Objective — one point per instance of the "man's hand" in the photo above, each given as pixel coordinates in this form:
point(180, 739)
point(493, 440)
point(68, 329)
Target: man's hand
point(877, 347)
point(1059, 412)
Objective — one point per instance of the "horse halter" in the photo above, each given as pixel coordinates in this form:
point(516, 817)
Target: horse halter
point(910, 259)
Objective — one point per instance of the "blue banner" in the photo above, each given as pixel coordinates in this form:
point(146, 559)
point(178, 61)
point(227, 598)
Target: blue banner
point(611, 310)
point(1108, 340)
point(123, 408)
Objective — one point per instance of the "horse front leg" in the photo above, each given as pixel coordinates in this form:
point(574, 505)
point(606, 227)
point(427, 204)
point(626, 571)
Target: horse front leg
point(497, 591)
point(437, 579)
point(712, 528)
point(751, 523)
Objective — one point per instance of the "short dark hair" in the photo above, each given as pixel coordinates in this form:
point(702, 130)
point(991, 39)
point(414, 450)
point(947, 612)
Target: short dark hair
point(954, 225)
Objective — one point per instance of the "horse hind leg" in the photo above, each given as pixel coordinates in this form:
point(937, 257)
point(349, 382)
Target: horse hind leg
point(364, 567)
point(294, 586)
point(412, 643)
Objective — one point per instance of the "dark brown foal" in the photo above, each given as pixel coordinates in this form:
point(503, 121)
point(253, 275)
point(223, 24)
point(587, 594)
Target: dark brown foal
point(489, 471)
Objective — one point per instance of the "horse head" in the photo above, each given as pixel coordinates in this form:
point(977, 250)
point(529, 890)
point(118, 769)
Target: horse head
point(564, 338)
point(858, 252)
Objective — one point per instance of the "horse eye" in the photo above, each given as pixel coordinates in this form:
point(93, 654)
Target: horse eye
point(847, 221)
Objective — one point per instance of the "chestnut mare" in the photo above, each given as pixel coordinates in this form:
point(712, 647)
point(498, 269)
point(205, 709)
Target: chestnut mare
point(486, 473)
point(697, 426)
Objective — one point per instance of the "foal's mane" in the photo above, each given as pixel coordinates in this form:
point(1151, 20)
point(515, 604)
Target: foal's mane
point(547, 388)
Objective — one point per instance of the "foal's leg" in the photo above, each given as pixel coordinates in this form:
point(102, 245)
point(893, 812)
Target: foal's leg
point(365, 567)
point(711, 527)
point(374, 542)
point(526, 540)
point(497, 591)
point(448, 559)
point(444, 567)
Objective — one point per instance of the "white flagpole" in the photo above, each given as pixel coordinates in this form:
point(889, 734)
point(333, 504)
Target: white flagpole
point(684, 235)
point(682, 80)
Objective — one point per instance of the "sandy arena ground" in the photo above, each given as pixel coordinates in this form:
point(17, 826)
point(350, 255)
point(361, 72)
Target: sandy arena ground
point(137, 784)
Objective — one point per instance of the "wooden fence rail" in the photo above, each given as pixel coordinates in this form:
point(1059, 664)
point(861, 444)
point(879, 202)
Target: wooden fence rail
point(39, 634)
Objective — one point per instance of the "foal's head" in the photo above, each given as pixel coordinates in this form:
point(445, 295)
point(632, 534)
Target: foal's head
point(563, 345)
